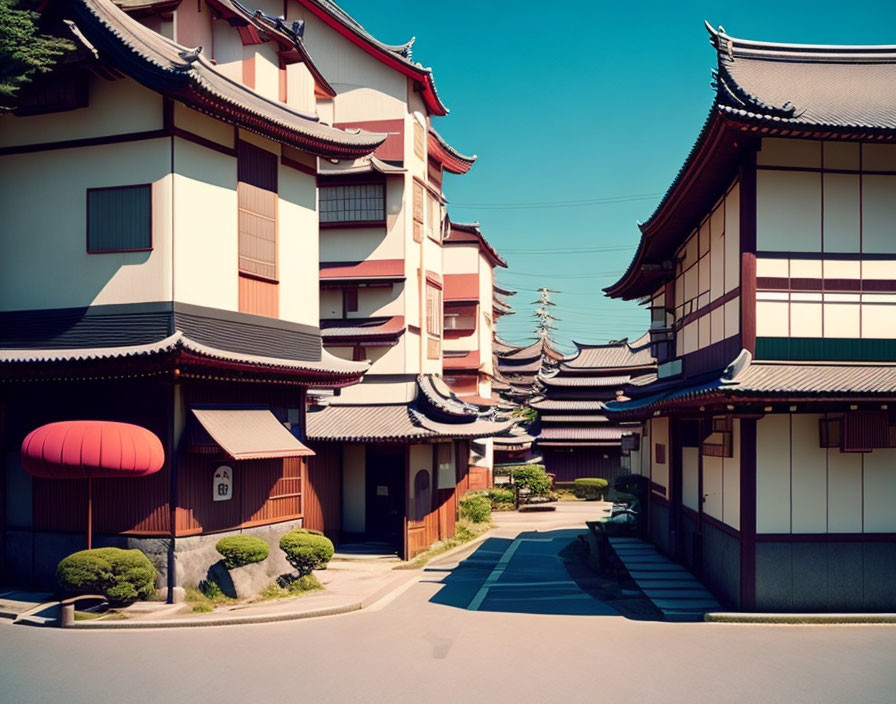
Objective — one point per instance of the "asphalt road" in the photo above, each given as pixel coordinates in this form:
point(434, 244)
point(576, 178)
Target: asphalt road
point(531, 625)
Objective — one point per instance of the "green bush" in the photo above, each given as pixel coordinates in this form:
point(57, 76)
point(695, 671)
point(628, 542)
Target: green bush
point(501, 499)
point(241, 550)
point(531, 477)
point(122, 576)
point(590, 488)
point(476, 508)
point(306, 551)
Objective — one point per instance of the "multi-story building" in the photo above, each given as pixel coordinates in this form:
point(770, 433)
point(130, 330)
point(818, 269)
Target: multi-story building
point(393, 453)
point(158, 268)
point(769, 436)
point(575, 438)
point(470, 306)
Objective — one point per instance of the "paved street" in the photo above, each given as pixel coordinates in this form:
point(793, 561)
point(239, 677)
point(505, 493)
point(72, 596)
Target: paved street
point(524, 626)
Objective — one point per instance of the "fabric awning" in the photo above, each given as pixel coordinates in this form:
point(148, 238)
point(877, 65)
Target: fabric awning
point(250, 434)
point(91, 449)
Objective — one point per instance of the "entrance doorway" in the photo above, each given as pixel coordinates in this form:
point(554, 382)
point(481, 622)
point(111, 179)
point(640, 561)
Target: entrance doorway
point(385, 495)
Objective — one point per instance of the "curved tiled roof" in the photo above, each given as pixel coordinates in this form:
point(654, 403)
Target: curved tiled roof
point(596, 432)
point(451, 159)
point(180, 343)
point(789, 89)
point(474, 230)
point(362, 328)
point(611, 356)
point(186, 75)
point(396, 56)
point(585, 381)
point(550, 404)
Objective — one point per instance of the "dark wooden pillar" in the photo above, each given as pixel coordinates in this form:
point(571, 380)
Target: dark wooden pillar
point(748, 252)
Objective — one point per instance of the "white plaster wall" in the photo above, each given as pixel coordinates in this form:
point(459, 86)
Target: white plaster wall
point(203, 125)
point(228, 51)
point(330, 304)
point(842, 213)
point(205, 227)
point(879, 482)
point(366, 88)
point(357, 244)
point(375, 391)
point(731, 480)
point(788, 211)
point(845, 492)
point(690, 477)
point(461, 259)
point(773, 474)
point(114, 107)
point(354, 488)
point(43, 256)
point(300, 89)
point(809, 496)
point(267, 70)
point(712, 487)
point(879, 157)
point(379, 301)
point(879, 213)
point(732, 239)
point(776, 151)
point(297, 236)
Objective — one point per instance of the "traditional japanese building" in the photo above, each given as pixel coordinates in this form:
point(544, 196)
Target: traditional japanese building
point(170, 285)
point(393, 452)
point(768, 267)
point(470, 306)
point(575, 438)
point(519, 367)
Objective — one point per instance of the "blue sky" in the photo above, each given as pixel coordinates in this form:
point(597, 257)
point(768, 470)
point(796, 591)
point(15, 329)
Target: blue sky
point(583, 101)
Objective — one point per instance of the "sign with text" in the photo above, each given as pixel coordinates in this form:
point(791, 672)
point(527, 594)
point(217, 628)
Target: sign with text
point(222, 484)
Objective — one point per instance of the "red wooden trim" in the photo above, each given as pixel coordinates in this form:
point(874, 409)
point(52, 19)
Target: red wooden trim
point(86, 142)
point(249, 71)
point(709, 308)
point(823, 169)
point(87, 214)
point(414, 329)
point(826, 538)
point(782, 283)
point(718, 525)
point(658, 488)
point(299, 166)
point(202, 141)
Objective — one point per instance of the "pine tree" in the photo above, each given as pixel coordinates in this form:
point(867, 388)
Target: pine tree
point(24, 51)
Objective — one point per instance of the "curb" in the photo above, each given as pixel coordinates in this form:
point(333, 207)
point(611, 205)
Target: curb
point(384, 591)
point(800, 619)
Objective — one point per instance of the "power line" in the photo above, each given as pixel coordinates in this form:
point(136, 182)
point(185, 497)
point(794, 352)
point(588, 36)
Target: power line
point(570, 250)
point(557, 203)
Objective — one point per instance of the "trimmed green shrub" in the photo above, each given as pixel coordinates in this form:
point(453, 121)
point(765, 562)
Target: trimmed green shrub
point(476, 508)
point(501, 499)
point(122, 576)
point(590, 488)
point(531, 477)
point(241, 550)
point(306, 551)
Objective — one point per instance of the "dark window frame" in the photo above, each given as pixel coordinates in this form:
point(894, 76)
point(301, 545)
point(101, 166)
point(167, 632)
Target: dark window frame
point(148, 188)
point(330, 187)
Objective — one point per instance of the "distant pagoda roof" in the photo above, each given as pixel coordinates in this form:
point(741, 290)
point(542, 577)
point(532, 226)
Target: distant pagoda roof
point(614, 355)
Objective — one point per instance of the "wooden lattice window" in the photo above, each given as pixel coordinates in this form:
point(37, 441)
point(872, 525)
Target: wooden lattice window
point(418, 212)
point(119, 219)
point(257, 196)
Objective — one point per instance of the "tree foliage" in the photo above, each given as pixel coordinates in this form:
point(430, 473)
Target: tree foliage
point(24, 51)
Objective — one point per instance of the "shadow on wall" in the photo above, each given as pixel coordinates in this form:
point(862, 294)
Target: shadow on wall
point(540, 573)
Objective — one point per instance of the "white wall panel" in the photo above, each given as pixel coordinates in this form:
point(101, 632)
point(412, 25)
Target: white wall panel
point(297, 239)
point(844, 492)
point(772, 319)
point(731, 480)
point(788, 211)
point(712, 487)
point(354, 488)
point(777, 151)
point(880, 491)
point(732, 239)
point(659, 471)
point(690, 477)
point(773, 474)
point(878, 214)
point(809, 474)
point(841, 213)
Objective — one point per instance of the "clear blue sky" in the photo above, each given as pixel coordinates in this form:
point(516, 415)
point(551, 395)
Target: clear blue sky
point(579, 100)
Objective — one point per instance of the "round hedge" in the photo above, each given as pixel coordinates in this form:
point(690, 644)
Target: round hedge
point(476, 508)
point(306, 551)
point(241, 550)
point(122, 576)
point(590, 488)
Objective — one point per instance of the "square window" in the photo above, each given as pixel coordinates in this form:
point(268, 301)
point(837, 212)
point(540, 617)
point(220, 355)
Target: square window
point(119, 219)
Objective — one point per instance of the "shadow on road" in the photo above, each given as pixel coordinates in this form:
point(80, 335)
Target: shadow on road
point(539, 573)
